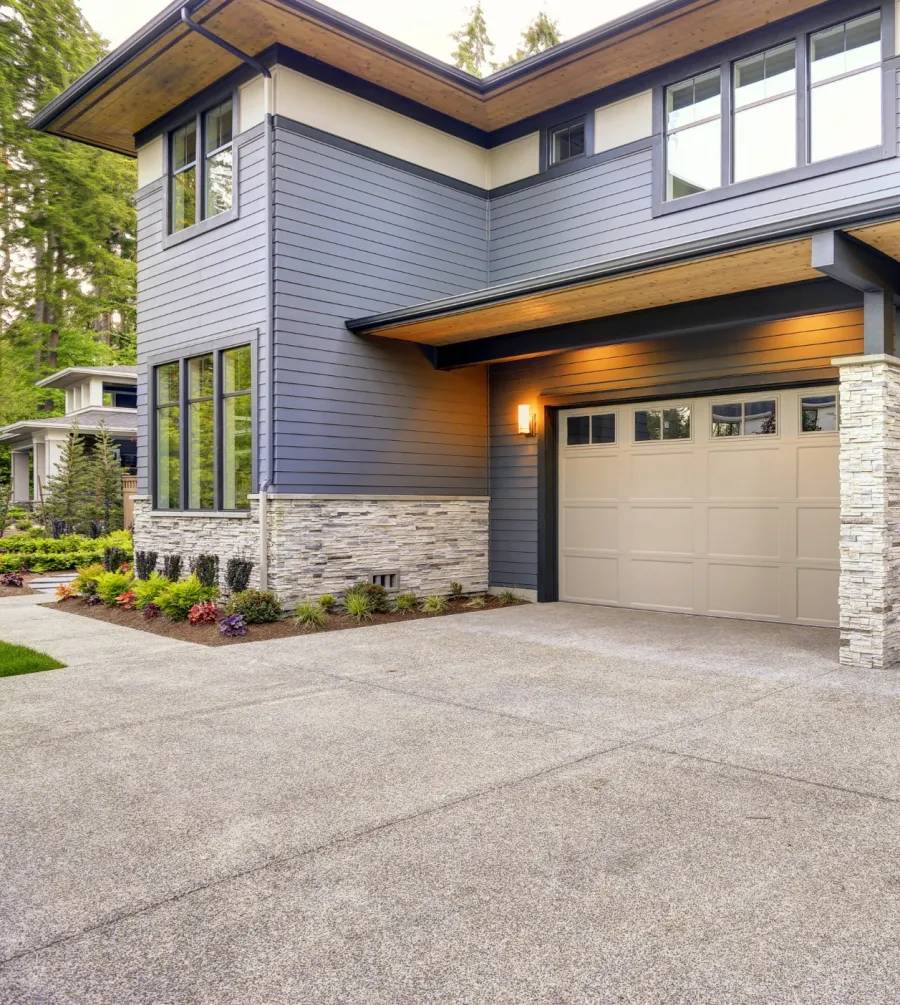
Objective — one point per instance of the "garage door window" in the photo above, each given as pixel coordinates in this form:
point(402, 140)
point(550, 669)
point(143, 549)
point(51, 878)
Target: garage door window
point(582, 430)
point(819, 414)
point(748, 418)
point(662, 424)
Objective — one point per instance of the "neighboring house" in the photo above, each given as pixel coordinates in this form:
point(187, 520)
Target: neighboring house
point(578, 328)
point(94, 394)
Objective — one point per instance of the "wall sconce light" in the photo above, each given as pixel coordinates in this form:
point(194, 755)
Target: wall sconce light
point(527, 421)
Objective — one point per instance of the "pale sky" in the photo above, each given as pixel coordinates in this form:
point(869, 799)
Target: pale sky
point(425, 25)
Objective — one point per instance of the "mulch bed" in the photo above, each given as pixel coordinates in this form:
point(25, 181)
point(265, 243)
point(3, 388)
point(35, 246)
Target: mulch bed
point(209, 635)
point(19, 591)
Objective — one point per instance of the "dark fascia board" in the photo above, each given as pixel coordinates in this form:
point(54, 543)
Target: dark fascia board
point(874, 212)
point(171, 17)
point(818, 296)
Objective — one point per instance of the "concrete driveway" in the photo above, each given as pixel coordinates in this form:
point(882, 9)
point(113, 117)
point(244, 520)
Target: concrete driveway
point(551, 804)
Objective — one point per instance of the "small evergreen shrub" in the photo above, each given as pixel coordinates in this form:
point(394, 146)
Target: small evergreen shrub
point(456, 590)
point(237, 574)
point(257, 606)
point(172, 567)
point(205, 613)
point(234, 626)
point(145, 563)
point(378, 596)
point(477, 603)
point(111, 586)
point(147, 590)
point(434, 605)
point(310, 614)
point(85, 581)
point(151, 611)
point(404, 602)
point(177, 599)
point(358, 605)
point(114, 558)
point(327, 601)
point(23, 524)
point(126, 601)
point(206, 569)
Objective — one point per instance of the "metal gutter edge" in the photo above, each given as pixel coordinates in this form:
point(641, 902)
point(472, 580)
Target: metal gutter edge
point(884, 209)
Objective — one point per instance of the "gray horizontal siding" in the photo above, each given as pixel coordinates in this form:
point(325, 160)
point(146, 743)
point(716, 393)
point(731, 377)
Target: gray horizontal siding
point(604, 213)
point(638, 368)
point(205, 288)
point(354, 236)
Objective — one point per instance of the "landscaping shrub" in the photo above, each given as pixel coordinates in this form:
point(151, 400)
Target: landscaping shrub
point(206, 569)
point(114, 558)
point(11, 579)
point(237, 574)
point(151, 611)
point(111, 586)
point(327, 601)
point(93, 600)
point(359, 605)
point(311, 614)
point(95, 529)
point(177, 599)
point(434, 605)
point(64, 591)
point(205, 613)
point(145, 563)
point(17, 513)
point(257, 606)
point(23, 524)
point(35, 542)
point(378, 596)
point(147, 590)
point(508, 597)
point(125, 602)
point(172, 567)
point(58, 528)
point(477, 603)
point(405, 602)
point(234, 626)
point(85, 581)
point(456, 590)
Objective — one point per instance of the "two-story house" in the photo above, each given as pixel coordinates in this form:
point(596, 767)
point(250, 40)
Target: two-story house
point(615, 325)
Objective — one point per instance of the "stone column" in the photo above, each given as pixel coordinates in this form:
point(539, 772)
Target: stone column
point(870, 510)
point(19, 463)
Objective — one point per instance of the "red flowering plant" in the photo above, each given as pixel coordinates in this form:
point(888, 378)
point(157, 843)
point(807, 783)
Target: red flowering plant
point(12, 579)
point(125, 601)
point(205, 613)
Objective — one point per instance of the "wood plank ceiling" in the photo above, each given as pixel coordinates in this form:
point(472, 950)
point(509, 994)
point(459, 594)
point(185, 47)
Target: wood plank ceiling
point(178, 64)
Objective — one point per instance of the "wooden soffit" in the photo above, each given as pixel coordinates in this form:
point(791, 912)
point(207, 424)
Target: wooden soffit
point(166, 64)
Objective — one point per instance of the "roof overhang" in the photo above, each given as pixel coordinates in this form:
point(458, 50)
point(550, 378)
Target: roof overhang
point(26, 428)
point(166, 63)
point(603, 292)
point(76, 375)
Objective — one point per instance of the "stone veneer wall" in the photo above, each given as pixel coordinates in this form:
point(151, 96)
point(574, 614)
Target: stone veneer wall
point(323, 545)
point(870, 510)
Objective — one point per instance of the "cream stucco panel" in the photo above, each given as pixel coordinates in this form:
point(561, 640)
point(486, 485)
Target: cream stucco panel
point(150, 162)
point(623, 122)
point(514, 160)
point(333, 111)
point(251, 104)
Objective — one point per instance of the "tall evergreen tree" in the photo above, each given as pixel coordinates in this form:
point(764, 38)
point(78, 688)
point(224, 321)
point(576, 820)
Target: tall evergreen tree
point(67, 217)
point(106, 480)
point(472, 43)
point(69, 492)
point(541, 34)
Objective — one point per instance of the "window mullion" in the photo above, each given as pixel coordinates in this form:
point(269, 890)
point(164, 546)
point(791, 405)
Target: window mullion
point(727, 125)
point(184, 434)
point(803, 93)
point(201, 170)
point(218, 503)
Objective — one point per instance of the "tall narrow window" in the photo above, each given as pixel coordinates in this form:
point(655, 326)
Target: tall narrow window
point(237, 429)
point(694, 135)
point(168, 437)
point(201, 435)
point(217, 129)
point(184, 177)
point(765, 113)
point(845, 82)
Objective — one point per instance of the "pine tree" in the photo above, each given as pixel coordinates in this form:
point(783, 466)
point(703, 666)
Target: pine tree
point(472, 43)
point(68, 492)
point(541, 34)
point(106, 480)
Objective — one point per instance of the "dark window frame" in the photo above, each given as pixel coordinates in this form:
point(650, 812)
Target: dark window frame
point(799, 31)
point(217, 351)
point(557, 127)
point(199, 164)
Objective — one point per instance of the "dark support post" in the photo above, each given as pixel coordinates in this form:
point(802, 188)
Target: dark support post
point(879, 323)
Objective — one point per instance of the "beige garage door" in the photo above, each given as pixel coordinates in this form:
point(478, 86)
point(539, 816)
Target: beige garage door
point(725, 506)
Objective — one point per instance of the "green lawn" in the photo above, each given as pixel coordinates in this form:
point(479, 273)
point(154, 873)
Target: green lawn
point(20, 659)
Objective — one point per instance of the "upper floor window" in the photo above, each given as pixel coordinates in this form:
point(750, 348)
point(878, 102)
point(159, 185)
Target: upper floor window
point(566, 142)
point(201, 167)
point(694, 135)
point(786, 111)
point(845, 88)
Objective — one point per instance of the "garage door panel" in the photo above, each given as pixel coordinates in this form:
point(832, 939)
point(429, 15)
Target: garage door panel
point(665, 530)
point(662, 474)
point(750, 591)
point(591, 579)
point(746, 526)
point(744, 473)
point(662, 584)
point(817, 596)
point(591, 528)
point(743, 532)
point(818, 533)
